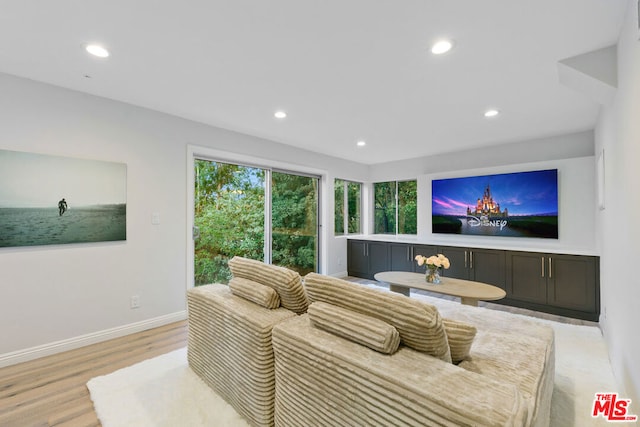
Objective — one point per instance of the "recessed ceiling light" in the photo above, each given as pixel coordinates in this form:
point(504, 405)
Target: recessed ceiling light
point(441, 46)
point(491, 113)
point(97, 50)
point(280, 114)
point(361, 143)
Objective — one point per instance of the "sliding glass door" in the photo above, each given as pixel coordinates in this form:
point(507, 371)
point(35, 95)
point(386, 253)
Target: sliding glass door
point(228, 218)
point(294, 221)
point(253, 212)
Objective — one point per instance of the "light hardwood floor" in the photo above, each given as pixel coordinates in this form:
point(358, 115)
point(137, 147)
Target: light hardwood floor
point(52, 391)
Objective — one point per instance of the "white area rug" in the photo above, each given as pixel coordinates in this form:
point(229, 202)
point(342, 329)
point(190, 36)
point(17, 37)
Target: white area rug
point(159, 392)
point(163, 391)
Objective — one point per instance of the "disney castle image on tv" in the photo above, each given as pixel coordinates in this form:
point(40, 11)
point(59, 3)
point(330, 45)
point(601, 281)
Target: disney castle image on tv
point(522, 204)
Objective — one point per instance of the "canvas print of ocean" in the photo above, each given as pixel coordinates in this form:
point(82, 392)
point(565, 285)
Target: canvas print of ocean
point(53, 200)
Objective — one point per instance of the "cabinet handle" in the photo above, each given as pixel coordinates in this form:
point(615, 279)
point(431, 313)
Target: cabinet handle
point(465, 259)
point(550, 272)
point(542, 266)
point(471, 259)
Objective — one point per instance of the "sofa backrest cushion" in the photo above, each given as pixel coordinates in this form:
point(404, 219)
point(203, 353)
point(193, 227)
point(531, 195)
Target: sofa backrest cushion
point(354, 326)
point(460, 336)
point(287, 283)
point(419, 324)
point(255, 292)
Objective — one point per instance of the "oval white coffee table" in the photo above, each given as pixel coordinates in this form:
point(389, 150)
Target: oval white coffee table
point(469, 292)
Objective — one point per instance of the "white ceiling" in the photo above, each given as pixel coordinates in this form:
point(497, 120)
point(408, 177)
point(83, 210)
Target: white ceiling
point(343, 70)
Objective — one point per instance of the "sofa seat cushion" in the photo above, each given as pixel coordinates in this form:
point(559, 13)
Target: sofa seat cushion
point(262, 295)
point(286, 282)
point(513, 348)
point(366, 330)
point(419, 324)
point(323, 379)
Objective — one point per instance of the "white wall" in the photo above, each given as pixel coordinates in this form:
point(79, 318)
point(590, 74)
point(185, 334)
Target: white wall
point(618, 134)
point(569, 146)
point(50, 294)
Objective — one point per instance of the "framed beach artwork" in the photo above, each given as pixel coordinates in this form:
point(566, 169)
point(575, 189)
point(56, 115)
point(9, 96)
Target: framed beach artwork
point(520, 204)
point(53, 200)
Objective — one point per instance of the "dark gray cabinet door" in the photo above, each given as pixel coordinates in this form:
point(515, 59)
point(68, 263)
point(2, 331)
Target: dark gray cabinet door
point(400, 257)
point(357, 260)
point(526, 277)
point(487, 266)
point(572, 282)
point(459, 260)
point(378, 254)
point(364, 259)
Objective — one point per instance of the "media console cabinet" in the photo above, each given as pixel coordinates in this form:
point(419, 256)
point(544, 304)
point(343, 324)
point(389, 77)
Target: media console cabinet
point(561, 284)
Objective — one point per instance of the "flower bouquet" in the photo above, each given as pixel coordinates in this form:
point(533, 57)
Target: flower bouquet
point(434, 263)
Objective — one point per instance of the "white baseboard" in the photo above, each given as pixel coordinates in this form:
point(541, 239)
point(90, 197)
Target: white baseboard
point(25, 355)
point(340, 274)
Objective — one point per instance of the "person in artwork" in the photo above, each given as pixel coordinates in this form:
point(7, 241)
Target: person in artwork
point(62, 206)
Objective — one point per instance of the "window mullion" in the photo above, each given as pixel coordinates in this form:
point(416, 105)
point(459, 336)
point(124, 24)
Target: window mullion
point(397, 208)
point(267, 216)
point(345, 207)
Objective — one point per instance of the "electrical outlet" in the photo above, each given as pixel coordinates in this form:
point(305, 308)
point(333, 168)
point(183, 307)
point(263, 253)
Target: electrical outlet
point(135, 301)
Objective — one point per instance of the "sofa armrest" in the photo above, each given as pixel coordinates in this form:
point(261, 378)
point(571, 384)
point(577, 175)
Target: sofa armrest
point(230, 349)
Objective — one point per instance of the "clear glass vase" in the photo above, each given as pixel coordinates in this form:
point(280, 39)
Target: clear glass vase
point(433, 275)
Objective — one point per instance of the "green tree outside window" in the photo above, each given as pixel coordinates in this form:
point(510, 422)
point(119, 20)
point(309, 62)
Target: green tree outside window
point(407, 207)
point(347, 196)
point(354, 198)
point(395, 207)
point(229, 212)
point(338, 212)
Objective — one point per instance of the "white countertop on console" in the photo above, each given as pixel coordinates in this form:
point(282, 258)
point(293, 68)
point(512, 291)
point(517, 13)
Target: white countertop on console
point(517, 244)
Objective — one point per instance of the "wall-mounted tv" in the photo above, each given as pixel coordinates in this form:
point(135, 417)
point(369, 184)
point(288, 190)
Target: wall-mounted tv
point(522, 204)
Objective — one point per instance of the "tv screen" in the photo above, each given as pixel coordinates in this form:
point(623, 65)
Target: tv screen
point(522, 204)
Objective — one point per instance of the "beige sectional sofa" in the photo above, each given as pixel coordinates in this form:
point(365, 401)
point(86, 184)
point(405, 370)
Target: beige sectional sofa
point(326, 375)
point(361, 356)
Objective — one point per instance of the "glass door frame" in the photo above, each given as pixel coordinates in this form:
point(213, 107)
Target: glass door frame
point(204, 153)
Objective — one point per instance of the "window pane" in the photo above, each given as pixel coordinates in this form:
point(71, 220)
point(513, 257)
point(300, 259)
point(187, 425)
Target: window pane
point(353, 201)
point(294, 222)
point(385, 207)
point(339, 206)
point(229, 211)
point(407, 207)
